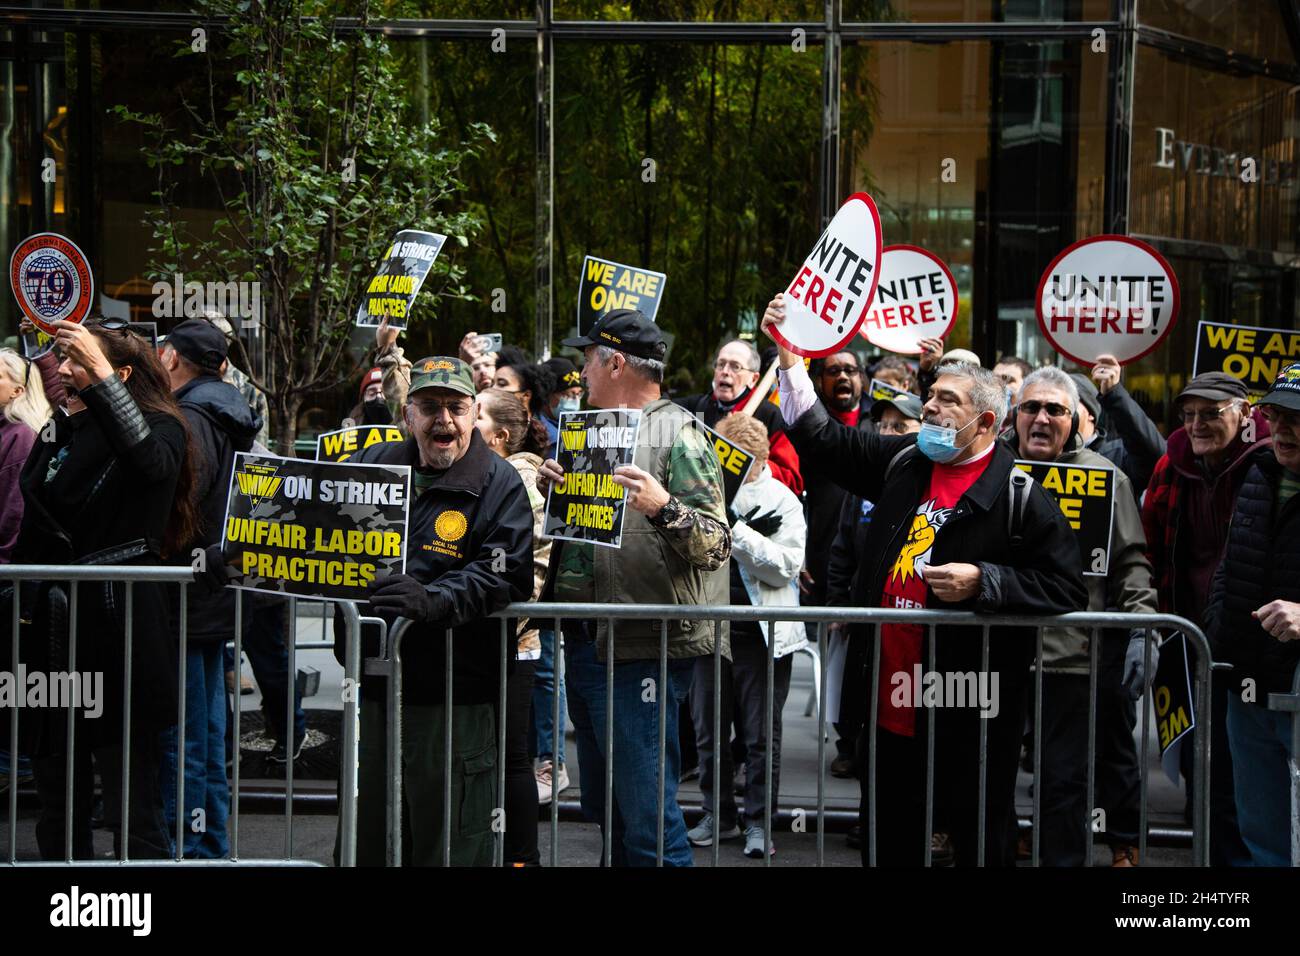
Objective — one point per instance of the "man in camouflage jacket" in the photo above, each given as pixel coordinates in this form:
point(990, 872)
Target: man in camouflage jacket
point(674, 550)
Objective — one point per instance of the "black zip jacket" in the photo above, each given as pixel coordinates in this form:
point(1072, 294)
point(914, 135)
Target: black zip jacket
point(101, 492)
point(470, 537)
point(1260, 564)
point(221, 424)
point(1042, 574)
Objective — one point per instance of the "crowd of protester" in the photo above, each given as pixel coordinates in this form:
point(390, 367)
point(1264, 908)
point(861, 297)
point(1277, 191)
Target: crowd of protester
point(113, 451)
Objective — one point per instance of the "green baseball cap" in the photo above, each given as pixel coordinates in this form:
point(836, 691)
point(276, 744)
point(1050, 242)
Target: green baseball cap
point(442, 371)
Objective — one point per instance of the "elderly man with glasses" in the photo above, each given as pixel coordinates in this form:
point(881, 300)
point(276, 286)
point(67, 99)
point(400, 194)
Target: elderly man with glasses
point(1186, 512)
point(470, 554)
point(1253, 619)
point(736, 371)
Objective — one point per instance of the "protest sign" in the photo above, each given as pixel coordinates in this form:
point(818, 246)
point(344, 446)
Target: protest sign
point(827, 301)
point(36, 343)
point(147, 331)
point(51, 280)
point(883, 391)
point(1107, 295)
point(397, 281)
point(605, 286)
point(588, 504)
point(735, 462)
point(314, 529)
point(343, 444)
point(1175, 707)
point(1086, 496)
point(1251, 354)
point(916, 299)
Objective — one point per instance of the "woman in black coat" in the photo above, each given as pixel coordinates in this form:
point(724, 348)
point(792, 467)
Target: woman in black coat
point(115, 486)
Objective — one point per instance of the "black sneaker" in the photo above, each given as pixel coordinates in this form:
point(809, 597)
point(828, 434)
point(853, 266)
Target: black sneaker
point(277, 752)
point(843, 767)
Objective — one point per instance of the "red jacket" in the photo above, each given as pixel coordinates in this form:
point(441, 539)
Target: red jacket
point(1179, 488)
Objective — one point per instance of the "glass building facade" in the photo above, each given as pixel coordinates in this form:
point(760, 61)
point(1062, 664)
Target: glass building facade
point(992, 132)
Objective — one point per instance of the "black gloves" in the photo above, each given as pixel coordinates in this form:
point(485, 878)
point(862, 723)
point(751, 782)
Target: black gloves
point(406, 597)
point(212, 574)
point(766, 525)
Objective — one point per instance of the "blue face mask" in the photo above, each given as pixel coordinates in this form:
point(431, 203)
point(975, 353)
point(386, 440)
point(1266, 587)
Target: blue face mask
point(939, 444)
point(568, 406)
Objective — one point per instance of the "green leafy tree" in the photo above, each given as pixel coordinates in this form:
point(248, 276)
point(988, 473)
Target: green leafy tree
point(302, 129)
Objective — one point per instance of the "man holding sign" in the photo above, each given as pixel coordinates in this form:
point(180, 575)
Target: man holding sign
point(1046, 420)
point(674, 549)
point(955, 526)
point(470, 554)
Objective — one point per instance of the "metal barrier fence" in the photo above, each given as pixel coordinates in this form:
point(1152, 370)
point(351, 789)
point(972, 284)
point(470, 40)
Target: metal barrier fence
point(1290, 703)
point(389, 663)
point(182, 577)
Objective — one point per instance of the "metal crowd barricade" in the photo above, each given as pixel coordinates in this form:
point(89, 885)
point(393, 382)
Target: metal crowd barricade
point(389, 664)
point(1290, 703)
point(183, 576)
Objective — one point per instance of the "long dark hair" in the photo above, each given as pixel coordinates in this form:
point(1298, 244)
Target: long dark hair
point(151, 388)
point(540, 382)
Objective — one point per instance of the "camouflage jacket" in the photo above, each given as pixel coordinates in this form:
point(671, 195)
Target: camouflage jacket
point(678, 557)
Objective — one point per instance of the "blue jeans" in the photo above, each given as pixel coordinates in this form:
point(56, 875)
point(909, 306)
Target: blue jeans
point(636, 752)
point(206, 786)
point(547, 743)
point(1260, 740)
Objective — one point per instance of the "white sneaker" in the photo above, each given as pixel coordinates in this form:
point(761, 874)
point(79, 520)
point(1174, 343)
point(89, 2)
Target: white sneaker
point(754, 841)
point(544, 774)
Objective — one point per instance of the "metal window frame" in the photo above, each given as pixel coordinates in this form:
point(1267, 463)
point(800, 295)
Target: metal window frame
point(1123, 33)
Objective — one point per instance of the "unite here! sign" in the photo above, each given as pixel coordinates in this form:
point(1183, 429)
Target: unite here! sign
point(827, 301)
point(916, 299)
point(1107, 295)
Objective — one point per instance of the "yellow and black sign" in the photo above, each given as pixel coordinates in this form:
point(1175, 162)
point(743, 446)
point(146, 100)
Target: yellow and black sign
point(315, 529)
point(588, 505)
point(883, 391)
point(735, 462)
point(1086, 496)
point(343, 444)
point(1253, 355)
point(1175, 706)
point(605, 286)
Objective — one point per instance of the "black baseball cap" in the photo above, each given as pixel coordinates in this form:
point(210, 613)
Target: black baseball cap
point(1285, 390)
point(908, 405)
point(626, 330)
point(1215, 386)
point(202, 343)
point(1089, 397)
point(566, 373)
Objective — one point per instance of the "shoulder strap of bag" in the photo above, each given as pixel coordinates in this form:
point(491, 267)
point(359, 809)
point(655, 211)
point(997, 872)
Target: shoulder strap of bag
point(1018, 483)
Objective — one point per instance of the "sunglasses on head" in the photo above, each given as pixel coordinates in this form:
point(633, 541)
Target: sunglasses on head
point(111, 325)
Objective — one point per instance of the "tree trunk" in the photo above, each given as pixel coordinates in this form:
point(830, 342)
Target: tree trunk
point(284, 423)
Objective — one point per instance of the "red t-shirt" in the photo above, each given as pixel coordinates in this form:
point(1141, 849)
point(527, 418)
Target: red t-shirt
point(900, 644)
point(849, 418)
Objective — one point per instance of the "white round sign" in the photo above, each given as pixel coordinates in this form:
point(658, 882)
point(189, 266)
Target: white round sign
point(828, 298)
point(1107, 295)
point(916, 299)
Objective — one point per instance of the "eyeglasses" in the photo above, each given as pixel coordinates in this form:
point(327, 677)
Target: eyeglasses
point(1205, 415)
point(1054, 409)
point(458, 409)
point(1279, 416)
point(835, 371)
point(892, 428)
point(723, 364)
